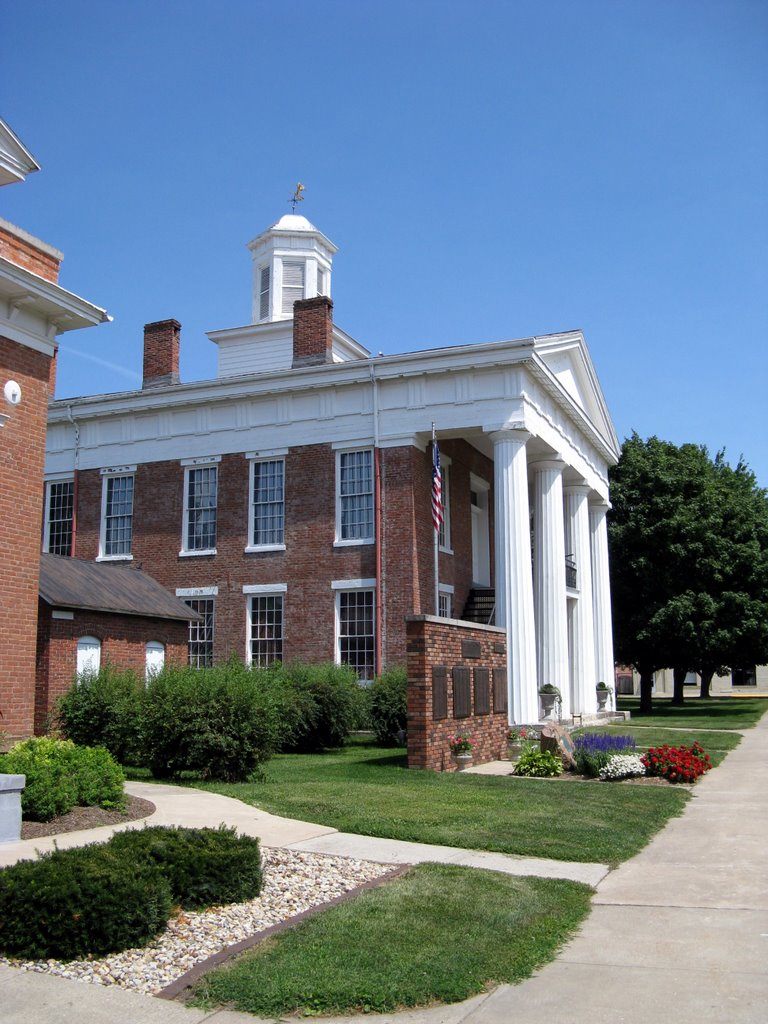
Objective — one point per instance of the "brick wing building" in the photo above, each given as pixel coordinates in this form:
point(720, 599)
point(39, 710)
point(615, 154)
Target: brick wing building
point(288, 500)
point(34, 311)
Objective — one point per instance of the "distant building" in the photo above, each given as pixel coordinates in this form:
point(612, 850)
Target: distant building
point(288, 501)
point(34, 311)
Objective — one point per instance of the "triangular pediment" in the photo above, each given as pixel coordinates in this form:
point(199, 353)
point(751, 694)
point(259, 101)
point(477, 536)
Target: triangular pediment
point(567, 359)
point(16, 162)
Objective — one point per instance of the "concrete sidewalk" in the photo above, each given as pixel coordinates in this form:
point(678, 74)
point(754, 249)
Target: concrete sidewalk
point(679, 932)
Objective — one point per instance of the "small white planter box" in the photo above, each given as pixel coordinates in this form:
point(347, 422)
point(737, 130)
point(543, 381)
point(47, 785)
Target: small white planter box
point(10, 807)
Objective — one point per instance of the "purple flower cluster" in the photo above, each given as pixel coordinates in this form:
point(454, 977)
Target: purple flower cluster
point(600, 743)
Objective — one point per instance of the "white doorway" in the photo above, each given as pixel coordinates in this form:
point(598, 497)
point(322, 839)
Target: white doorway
point(481, 549)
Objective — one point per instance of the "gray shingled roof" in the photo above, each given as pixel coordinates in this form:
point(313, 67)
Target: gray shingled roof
point(75, 583)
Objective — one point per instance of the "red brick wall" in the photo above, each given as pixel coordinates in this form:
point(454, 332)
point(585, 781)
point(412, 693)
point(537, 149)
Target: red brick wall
point(310, 561)
point(434, 642)
point(123, 645)
point(25, 254)
point(22, 457)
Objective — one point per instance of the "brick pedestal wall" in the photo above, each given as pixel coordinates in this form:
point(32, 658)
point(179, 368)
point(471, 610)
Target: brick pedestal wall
point(456, 684)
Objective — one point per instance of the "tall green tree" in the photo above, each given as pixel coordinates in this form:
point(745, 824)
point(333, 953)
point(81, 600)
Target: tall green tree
point(689, 563)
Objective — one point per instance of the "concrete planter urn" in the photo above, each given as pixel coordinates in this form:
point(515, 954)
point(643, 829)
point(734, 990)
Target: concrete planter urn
point(550, 698)
point(603, 696)
point(462, 761)
point(514, 750)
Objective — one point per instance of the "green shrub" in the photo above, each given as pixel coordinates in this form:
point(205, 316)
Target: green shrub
point(222, 722)
point(324, 703)
point(538, 763)
point(61, 775)
point(99, 778)
point(72, 903)
point(51, 788)
point(104, 709)
point(389, 705)
point(203, 866)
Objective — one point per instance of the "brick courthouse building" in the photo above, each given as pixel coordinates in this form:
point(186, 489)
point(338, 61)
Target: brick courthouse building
point(288, 500)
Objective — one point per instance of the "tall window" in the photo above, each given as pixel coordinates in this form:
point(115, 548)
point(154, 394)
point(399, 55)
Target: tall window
point(200, 508)
point(356, 640)
point(117, 526)
point(293, 284)
point(59, 507)
point(444, 537)
point(264, 293)
point(266, 628)
point(445, 601)
point(268, 503)
point(355, 490)
point(200, 647)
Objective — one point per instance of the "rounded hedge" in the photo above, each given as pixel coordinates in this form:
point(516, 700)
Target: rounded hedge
point(204, 866)
point(389, 706)
point(85, 901)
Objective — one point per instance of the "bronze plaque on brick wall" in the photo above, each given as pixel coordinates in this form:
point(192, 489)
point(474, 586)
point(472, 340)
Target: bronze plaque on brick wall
point(470, 649)
point(482, 691)
point(462, 693)
point(439, 692)
point(499, 690)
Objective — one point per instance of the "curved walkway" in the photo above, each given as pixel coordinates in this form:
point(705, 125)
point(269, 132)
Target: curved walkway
point(679, 932)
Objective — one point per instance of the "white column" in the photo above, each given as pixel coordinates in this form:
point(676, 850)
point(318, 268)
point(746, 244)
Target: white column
point(601, 593)
point(577, 532)
point(514, 583)
point(549, 578)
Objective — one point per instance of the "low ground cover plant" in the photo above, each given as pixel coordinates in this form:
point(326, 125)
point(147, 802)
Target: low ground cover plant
point(61, 775)
point(677, 764)
point(594, 751)
point(622, 766)
point(103, 898)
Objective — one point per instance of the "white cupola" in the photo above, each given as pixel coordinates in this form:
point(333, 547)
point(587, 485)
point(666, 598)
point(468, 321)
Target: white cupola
point(291, 260)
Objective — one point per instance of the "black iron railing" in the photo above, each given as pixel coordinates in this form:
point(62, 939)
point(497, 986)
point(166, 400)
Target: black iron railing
point(570, 572)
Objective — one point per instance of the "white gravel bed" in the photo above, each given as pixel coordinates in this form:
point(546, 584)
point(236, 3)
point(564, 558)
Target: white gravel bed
point(293, 882)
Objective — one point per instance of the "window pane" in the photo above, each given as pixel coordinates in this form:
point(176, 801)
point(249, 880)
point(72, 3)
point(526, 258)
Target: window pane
point(356, 632)
point(60, 507)
point(266, 628)
point(201, 508)
point(200, 648)
point(118, 527)
point(268, 502)
point(356, 492)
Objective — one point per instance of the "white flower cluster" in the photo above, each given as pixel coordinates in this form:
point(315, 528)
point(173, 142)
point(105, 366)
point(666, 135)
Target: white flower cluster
point(622, 766)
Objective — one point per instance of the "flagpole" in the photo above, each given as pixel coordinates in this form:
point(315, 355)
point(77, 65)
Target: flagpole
point(436, 530)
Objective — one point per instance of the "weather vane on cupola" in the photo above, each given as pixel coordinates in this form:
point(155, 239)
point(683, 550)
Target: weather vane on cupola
point(297, 197)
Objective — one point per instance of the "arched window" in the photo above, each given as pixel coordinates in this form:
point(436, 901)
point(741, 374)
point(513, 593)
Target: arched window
point(155, 659)
point(88, 655)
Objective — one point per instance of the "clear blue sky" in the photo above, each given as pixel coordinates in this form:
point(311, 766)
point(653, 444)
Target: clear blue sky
point(488, 170)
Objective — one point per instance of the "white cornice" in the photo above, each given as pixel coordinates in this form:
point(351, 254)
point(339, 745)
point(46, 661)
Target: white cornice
point(61, 310)
point(16, 162)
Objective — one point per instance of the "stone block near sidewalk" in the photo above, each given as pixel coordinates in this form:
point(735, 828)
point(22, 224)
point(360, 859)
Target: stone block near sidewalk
point(11, 787)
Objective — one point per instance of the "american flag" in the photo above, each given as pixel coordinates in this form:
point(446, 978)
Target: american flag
point(437, 486)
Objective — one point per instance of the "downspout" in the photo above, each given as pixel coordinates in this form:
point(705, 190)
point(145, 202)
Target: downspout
point(377, 521)
point(75, 476)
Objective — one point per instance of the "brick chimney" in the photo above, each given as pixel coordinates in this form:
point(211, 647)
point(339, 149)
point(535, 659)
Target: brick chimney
point(312, 331)
point(161, 353)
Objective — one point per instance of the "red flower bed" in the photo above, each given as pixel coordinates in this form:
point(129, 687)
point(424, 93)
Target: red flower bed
point(677, 764)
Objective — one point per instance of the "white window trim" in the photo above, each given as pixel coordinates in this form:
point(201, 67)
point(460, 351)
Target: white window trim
point(446, 588)
point(263, 590)
point(345, 587)
point(197, 592)
point(354, 541)
point(277, 454)
point(445, 470)
point(55, 478)
point(106, 474)
point(189, 464)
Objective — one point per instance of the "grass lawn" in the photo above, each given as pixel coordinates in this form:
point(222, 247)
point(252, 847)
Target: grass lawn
point(710, 713)
point(369, 790)
point(411, 942)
